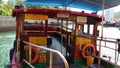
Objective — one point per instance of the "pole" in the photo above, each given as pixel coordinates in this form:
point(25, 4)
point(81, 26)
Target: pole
point(61, 34)
point(51, 58)
point(99, 61)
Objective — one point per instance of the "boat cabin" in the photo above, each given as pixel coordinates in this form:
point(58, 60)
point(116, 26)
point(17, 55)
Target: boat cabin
point(72, 32)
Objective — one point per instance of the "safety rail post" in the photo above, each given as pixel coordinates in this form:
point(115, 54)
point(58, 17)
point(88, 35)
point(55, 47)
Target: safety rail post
point(29, 54)
point(51, 57)
point(68, 40)
point(51, 50)
point(105, 42)
point(115, 53)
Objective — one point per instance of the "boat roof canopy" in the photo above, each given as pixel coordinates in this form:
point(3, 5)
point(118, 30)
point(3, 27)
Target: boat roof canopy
point(93, 5)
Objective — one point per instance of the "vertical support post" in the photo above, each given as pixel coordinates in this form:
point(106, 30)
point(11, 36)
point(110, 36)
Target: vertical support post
point(88, 29)
point(95, 30)
point(67, 26)
point(46, 27)
point(73, 25)
point(18, 43)
point(82, 27)
point(115, 53)
point(58, 23)
point(30, 53)
point(105, 42)
point(73, 31)
point(68, 40)
point(95, 33)
point(81, 32)
point(61, 34)
point(99, 60)
point(51, 58)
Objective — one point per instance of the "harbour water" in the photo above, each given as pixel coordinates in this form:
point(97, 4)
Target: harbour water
point(7, 39)
point(111, 33)
point(6, 43)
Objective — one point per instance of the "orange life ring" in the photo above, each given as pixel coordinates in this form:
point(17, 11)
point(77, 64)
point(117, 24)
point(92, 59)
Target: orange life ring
point(35, 51)
point(84, 49)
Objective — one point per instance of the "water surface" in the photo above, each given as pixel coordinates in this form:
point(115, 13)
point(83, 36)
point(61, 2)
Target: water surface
point(6, 43)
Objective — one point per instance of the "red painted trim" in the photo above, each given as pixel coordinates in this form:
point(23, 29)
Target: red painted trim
point(17, 11)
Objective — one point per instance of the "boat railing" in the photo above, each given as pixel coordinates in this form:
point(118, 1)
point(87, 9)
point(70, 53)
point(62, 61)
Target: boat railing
point(110, 48)
point(99, 38)
point(51, 55)
point(111, 44)
point(28, 63)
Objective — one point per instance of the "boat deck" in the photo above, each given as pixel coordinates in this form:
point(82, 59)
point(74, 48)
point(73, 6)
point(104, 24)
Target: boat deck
point(57, 61)
point(57, 46)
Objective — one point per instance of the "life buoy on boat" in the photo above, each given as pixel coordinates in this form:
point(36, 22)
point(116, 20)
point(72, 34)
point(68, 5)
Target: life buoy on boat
point(34, 50)
point(86, 47)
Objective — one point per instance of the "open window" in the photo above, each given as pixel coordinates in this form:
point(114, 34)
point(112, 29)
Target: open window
point(86, 29)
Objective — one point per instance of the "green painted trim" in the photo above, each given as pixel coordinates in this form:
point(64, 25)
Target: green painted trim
point(43, 65)
point(80, 63)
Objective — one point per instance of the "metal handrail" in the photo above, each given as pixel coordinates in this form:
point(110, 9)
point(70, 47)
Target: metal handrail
point(51, 50)
point(110, 40)
point(28, 63)
point(98, 39)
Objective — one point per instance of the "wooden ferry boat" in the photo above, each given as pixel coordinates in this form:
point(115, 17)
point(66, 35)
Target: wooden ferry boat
point(57, 39)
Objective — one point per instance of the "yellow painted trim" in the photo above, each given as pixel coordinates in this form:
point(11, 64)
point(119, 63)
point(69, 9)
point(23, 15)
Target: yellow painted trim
point(36, 17)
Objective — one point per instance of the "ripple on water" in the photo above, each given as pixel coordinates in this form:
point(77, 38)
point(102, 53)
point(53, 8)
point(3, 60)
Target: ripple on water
point(6, 43)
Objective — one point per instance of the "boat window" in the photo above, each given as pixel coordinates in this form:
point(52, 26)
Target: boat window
point(59, 21)
point(53, 22)
point(86, 29)
point(64, 24)
point(91, 29)
point(34, 23)
point(71, 24)
point(80, 30)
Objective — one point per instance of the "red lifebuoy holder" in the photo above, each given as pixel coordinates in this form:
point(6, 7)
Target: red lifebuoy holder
point(34, 53)
point(85, 47)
